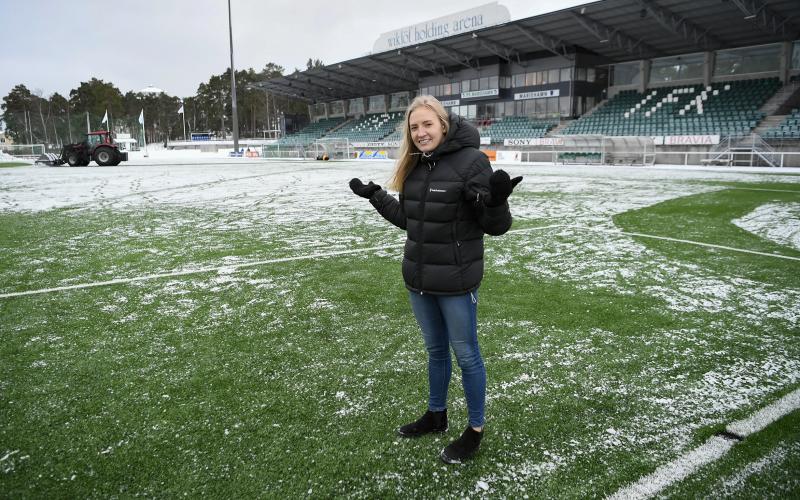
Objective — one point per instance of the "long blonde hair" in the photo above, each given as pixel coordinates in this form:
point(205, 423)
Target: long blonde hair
point(408, 155)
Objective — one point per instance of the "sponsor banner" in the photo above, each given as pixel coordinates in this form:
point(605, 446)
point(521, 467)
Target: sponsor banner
point(691, 140)
point(509, 156)
point(377, 145)
point(480, 93)
point(538, 141)
point(658, 140)
point(485, 141)
point(370, 154)
point(539, 94)
point(465, 21)
point(453, 102)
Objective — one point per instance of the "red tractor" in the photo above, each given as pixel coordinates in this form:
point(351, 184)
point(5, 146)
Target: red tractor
point(98, 146)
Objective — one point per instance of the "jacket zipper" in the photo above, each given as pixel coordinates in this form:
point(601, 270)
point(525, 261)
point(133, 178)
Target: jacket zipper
point(422, 224)
point(457, 247)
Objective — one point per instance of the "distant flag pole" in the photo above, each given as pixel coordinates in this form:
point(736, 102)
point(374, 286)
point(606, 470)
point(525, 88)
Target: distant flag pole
point(183, 115)
point(105, 119)
point(144, 136)
point(88, 127)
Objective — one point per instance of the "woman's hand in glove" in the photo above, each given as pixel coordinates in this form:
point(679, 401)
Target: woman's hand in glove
point(363, 190)
point(500, 188)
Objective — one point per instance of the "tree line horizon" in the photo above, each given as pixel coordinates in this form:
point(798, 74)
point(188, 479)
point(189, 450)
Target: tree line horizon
point(31, 118)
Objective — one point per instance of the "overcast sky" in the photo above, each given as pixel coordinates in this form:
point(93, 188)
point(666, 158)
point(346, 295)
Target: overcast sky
point(175, 45)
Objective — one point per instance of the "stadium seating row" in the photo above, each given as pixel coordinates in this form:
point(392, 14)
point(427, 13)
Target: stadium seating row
point(310, 133)
point(369, 128)
point(788, 129)
point(727, 108)
point(730, 108)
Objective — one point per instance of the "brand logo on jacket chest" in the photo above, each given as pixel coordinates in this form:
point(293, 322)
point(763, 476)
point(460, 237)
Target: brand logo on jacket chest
point(434, 190)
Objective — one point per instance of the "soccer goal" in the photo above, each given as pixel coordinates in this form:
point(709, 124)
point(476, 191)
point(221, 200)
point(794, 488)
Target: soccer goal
point(629, 150)
point(336, 148)
point(278, 151)
point(28, 151)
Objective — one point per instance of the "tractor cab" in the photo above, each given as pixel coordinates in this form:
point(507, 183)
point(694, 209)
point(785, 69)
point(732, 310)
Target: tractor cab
point(93, 139)
point(98, 146)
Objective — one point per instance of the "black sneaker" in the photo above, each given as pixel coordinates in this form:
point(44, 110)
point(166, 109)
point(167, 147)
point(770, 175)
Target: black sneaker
point(432, 421)
point(462, 448)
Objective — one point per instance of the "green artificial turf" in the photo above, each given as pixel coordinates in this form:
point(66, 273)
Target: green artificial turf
point(607, 356)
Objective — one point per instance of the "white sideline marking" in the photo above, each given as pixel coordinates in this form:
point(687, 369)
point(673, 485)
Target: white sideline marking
point(358, 250)
point(197, 271)
point(224, 268)
point(528, 229)
point(711, 450)
point(698, 243)
point(676, 470)
point(766, 415)
point(770, 190)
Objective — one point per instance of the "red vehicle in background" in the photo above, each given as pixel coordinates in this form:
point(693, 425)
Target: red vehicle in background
point(98, 146)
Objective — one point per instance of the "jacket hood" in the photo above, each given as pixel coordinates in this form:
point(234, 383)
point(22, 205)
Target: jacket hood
point(461, 135)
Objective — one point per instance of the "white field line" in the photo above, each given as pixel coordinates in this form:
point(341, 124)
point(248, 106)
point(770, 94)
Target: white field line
point(770, 190)
point(676, 470)
point(223, 269)
point(229, 268)
point(529, 229)
point(713, 449)
point(357, 250)
point(766, 415)
point(690, 242)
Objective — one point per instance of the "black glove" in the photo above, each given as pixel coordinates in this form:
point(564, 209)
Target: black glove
point(363, 190)
point(500, 187)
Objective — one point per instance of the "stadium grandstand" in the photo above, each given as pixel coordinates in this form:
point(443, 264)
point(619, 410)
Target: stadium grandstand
point(703, 81)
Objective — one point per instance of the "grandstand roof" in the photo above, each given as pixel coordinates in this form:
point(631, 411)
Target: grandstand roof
point(617, 30)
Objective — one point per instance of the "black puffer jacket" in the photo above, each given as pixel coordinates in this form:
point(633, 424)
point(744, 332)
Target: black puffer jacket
point(441, 208)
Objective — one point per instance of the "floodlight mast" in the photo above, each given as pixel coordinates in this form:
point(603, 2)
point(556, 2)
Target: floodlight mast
point(233, 87)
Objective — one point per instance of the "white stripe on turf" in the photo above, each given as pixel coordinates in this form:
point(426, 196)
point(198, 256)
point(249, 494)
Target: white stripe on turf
point(676, 470)
point(711, 450)
point(770, 190)
point(536, 228)
point(358, 250)
point(766, 415)
point(222, 268)
point(690, 242)
point(197, 271)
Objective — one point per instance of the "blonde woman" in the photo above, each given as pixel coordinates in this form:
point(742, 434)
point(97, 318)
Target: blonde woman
point(448, 199)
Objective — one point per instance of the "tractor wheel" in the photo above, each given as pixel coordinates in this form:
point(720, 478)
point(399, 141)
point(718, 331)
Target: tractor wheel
point(74, 159)
point(104, 156)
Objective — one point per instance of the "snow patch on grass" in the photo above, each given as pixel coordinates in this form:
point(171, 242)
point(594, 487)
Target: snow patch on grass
point(776, 222)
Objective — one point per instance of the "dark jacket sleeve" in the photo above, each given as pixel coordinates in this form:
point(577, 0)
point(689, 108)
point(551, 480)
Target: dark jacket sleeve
point(493, 220)
point(391, 209)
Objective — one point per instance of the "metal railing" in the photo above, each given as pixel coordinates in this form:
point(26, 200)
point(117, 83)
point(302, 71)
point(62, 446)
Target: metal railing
point(684, 158)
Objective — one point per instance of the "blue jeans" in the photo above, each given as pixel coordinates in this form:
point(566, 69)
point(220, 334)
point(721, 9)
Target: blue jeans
point(452, 320)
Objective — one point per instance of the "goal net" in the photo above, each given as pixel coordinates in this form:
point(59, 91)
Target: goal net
point(283, 151)
point(31, 151)
point(336, 148)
